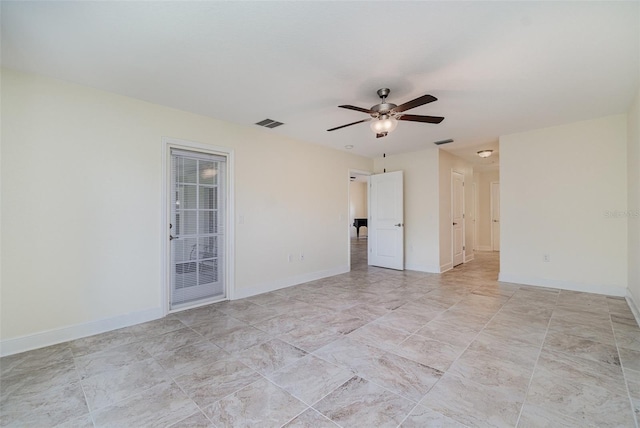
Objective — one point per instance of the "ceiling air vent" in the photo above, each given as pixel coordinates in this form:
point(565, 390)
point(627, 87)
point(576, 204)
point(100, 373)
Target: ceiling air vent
point(269, 123)
point(441, 142)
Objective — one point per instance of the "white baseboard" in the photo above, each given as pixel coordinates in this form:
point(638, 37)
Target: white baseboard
point(422, 268)
point(634, 306)
point(484, 248)
point(609, 290)
point(241, 293)
point(469, 257)
point(64, 334)
point(445, 267)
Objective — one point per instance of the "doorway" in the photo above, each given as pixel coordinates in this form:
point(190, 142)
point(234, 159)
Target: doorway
point(197, 227)
point(358, 225)
point(457, 218)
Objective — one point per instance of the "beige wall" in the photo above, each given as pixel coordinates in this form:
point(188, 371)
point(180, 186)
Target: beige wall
point(633, 218)
point(358, 207)
point(483, 182)
point(421, 215)
point(81, 207)
point(446, 164)
point(560, 190)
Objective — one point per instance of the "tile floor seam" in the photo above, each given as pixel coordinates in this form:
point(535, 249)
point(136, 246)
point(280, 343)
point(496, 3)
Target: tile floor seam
point(84, 393)
point(128, 397)
point(453, 362)
point(526, 394)
point(368, 380)
point(463, 351)
point(299, 414)
point(286, 392)
point(624, 376)
point(173, 380)
point(360, 375)
point(408, 414)
point(211, 404)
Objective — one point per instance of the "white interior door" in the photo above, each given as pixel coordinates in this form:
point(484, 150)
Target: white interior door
point(495, 216)
point(386, 232)
point(457, 217)
point(196, 229)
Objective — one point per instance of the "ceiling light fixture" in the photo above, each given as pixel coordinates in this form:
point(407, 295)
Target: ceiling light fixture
point(384, 124)
point(485, 153)
point(349, 146)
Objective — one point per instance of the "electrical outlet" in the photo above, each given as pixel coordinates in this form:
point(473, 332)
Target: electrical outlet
point(546, 258)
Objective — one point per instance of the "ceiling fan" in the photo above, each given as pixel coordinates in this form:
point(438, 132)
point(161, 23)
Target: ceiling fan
point(385, 116)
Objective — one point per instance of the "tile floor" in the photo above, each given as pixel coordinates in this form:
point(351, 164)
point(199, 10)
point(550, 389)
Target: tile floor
point(371, 348)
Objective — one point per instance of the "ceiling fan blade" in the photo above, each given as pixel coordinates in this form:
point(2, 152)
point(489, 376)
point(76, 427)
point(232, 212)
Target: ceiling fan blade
point(363, 110)
point(425, 99)
point(349, 124)
point(417, 118)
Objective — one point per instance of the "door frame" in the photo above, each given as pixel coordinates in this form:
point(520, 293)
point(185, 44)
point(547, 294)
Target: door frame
point(350, 173)
point(464, 221)
point(229, 246)
point(491, 218)
point(474, 187)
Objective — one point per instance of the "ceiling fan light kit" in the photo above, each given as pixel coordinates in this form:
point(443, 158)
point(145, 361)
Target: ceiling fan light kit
point(385, 116)
point(384, 124)
point(485, 153)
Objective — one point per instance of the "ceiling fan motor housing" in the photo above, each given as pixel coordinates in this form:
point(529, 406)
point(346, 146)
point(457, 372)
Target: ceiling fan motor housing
point(382, 109)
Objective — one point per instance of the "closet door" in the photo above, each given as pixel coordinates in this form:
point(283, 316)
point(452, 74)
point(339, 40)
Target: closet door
point(197, 228)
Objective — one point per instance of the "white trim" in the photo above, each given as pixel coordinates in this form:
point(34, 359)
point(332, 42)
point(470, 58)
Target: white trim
point(422, 268)
point(65, 334)
point(464, 232)
point(484, 248)
point(609, 290)
point(633, 305)
point(474, 190)
point(266, 287)
point(167, 144)
point(491, 183)
point(197, 304)
point(351, 172)
point(470, 258)
point(445, 267)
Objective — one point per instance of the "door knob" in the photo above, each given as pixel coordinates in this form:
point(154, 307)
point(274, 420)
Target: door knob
point(455, 223)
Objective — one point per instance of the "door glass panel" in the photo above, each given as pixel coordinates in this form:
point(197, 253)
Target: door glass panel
point(208, 222)
point(197, 220)
point(187, 222)
point(208, 172)
point(208, 198)
point(187, 196)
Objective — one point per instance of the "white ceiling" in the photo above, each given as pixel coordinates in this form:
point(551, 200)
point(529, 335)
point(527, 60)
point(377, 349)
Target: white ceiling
point(496, 67)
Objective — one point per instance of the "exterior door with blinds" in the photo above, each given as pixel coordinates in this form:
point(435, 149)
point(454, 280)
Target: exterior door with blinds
point(196, 230)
